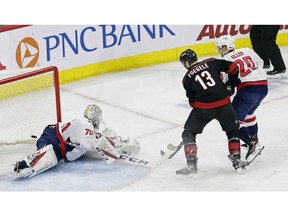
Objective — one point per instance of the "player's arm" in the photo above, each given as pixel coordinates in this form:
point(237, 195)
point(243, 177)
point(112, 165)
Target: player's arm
point(82, 138)
point(125, 146)
point(232, 70)
point(190, 94)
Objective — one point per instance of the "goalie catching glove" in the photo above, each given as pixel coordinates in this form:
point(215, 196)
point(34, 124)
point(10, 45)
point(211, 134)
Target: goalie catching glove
point(110, 146)
point(122, 146)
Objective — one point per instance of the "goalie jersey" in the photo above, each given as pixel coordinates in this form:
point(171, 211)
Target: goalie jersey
point(79, 137)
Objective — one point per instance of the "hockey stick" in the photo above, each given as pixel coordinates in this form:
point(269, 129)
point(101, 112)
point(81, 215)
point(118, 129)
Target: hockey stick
point(173, 148)
point(171, 151)
point(256, 155)
point(177, 148)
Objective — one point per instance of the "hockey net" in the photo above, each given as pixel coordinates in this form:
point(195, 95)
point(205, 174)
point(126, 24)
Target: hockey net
point(29, 101)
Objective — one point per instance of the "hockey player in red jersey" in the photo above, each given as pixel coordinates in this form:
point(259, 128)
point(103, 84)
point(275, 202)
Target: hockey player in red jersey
point(209, 98)
point(69, 141)
point(251, 89)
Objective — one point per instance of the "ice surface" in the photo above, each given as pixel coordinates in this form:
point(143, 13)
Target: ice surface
point(150, 104)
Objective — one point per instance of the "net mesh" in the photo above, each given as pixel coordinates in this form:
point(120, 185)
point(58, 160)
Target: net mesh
point(27, 104)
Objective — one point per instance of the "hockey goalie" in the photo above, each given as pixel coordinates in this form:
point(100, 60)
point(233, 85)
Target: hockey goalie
point(69, 141)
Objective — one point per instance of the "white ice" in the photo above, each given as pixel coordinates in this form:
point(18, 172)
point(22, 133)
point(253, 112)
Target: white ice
point(150, 104)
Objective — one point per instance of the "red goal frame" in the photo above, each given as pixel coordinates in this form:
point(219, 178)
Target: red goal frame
point(39, 72)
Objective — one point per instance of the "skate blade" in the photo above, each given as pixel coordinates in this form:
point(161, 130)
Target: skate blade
point(183, 177)
point(243, 170)
point(255, 154)
point(277, 76)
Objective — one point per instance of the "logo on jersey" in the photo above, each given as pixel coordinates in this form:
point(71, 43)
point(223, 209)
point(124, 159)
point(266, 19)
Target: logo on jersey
point(27, 53)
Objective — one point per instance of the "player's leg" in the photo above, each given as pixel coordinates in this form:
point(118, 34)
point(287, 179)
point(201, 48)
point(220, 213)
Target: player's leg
point(269, 35)
point(253, 145)
point(36, 162)
point(258, 45)
point(47, 155)
point(228, 120)
point(194, 125)
point(259, 93)
point(245, 102)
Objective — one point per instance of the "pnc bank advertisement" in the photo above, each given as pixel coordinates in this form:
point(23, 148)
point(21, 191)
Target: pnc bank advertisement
point(71, 46)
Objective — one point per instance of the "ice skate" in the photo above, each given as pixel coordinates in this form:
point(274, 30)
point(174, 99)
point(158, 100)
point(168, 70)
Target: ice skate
point(24, 173)
point(239, 165)
point(244, 146)
point(253, 148)
point(22, 170)
point(253, 151)
point(190, 171)
point(276, 74)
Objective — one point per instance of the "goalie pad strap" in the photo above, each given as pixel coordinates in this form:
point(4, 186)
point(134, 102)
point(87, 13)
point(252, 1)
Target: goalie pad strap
point(62, 145)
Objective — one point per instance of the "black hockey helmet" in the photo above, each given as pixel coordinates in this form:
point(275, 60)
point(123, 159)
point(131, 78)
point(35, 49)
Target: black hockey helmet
point(188, 57)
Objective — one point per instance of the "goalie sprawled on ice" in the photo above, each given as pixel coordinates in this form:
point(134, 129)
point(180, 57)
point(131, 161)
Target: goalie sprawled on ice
point(69, 141)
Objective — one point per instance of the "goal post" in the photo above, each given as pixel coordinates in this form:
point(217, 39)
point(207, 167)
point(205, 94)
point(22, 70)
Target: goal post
point(29, 101)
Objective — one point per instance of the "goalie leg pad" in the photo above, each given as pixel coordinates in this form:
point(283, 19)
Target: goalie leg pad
point(36, 162)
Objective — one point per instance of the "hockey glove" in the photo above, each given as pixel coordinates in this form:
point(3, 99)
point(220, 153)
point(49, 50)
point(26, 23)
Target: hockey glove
point(231, 90)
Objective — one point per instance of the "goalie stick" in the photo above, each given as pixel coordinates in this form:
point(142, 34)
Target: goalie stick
point(132, 160)
point(135, 161)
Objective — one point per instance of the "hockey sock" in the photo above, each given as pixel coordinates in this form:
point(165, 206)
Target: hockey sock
point(234, 146)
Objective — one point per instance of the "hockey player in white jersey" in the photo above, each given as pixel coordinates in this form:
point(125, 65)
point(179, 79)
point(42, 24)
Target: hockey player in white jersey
point(251, 89)
point(69, 141)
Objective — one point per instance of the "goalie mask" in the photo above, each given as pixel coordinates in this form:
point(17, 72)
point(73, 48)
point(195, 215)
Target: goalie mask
point(188, 58)
point(94, 114)
point(225, 44)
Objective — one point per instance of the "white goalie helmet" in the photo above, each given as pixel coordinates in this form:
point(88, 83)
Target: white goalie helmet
point(94, 114)
point(225, 44)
